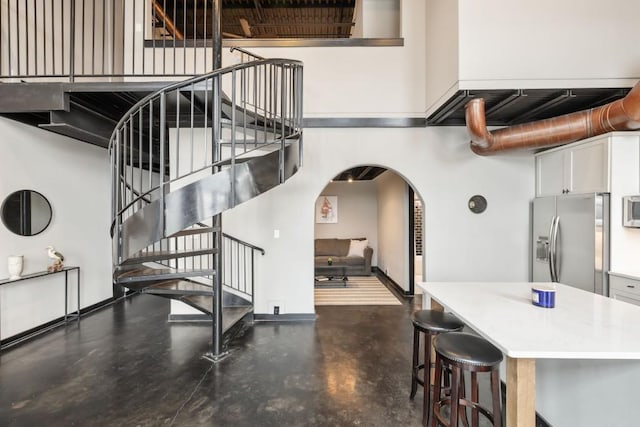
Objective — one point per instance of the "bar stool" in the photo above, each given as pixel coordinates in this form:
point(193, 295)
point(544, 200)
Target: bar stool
point(430, 323)
point(460, 352)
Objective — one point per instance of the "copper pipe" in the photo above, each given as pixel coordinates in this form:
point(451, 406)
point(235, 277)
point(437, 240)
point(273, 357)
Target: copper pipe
point(623, 114)
point(168, 23)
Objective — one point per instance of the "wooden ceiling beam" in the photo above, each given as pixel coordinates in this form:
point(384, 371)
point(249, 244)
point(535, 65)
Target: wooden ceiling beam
point(246, 29)
point(168, 23)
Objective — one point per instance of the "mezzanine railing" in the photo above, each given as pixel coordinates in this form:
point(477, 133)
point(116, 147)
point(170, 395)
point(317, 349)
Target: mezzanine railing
point(71, 39)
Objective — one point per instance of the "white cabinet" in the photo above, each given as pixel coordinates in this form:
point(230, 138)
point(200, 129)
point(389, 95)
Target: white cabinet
point(582, 167)
point(550, 173)
point(624, 288)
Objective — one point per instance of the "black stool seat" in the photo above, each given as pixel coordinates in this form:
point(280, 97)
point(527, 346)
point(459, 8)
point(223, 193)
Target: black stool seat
point(467, 349)
point(436, 321)
point(458, 352)
point(430, 323)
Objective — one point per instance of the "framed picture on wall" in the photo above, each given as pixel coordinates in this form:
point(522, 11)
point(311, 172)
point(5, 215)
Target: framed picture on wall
point(327, 210)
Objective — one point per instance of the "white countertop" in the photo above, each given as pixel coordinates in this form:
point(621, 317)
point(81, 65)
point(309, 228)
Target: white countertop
point(582, 325)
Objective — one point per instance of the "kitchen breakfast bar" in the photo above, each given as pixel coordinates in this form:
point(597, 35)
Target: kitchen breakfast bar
point(577, 364)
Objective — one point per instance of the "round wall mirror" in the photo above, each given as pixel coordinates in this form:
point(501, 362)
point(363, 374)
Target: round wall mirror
point(26, 212)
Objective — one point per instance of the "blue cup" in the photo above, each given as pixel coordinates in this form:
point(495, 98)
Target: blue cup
point(543, 296)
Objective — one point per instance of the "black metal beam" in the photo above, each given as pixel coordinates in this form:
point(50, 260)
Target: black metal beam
point(560, 98)
point(83, 124)
point(458, 99)
point(364, 172)
point(509, 99)
point(610, 98)
point(32, 97)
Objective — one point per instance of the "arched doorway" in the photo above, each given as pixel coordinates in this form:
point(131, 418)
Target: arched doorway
point(377, 205)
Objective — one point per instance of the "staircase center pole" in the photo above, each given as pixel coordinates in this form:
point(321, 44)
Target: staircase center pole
point(217, 352)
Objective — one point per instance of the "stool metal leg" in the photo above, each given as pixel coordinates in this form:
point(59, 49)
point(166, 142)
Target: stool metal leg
point(455, 398)
point(414, 368)
point(426, 404)
point(437, 380)
point(461, 395)
point(474, 398)
point(495, 395)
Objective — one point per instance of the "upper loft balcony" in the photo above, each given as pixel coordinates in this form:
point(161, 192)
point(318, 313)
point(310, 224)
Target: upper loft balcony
point(76, 66)
point(138, 40)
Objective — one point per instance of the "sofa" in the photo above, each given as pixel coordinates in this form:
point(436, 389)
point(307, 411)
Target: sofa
point(356, 256)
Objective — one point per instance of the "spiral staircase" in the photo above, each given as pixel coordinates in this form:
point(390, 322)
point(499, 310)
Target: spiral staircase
point(185, 143)
point(182, 156)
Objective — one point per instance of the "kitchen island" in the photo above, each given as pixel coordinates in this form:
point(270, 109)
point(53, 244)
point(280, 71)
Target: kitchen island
point(577, 364)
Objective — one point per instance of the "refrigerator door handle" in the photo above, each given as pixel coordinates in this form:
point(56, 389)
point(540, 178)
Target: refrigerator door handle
point(553, 237)
point(550, 248)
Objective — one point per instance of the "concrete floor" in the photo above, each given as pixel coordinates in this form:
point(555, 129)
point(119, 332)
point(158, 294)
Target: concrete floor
point(126, 366)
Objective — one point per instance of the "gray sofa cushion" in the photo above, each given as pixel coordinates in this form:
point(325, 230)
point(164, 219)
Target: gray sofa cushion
point(340, 260)
point(338, 250)
point(332, 247)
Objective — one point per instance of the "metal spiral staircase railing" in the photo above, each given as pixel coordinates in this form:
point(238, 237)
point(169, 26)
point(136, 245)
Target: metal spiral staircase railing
point(182, 156)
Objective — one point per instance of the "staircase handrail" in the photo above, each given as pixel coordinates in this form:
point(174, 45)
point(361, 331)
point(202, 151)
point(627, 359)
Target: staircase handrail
point(246, 52)
point(261, 112)
point(193, 81)
point(244, 243)
point(235, 239)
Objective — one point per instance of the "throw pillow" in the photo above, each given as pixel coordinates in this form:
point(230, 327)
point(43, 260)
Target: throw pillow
point(356, 247)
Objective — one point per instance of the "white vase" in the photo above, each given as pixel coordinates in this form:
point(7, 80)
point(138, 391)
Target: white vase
point(15, 263)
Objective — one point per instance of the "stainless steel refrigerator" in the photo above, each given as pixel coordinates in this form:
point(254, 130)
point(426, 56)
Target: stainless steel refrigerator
point(571, 241)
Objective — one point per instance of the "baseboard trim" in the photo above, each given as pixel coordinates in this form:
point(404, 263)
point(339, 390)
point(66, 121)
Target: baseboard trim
point(53, 324)
point(292, 317)
point(178, 318)
point(391, 282)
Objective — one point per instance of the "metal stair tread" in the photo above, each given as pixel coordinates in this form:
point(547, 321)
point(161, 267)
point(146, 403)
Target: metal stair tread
point(167, 254)
point(204, 303)
point(195, 230)
point(179, 287)
point(146, 274)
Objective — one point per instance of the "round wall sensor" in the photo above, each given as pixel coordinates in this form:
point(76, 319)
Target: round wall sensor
point(477, 204)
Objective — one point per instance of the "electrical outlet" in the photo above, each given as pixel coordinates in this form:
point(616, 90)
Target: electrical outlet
point(276, 307)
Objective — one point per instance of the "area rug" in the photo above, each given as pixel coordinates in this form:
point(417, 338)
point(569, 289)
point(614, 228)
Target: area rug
point(365, 290)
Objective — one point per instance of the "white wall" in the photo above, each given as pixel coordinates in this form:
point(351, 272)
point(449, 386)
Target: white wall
point(363, 81)
point(534, 44)
point(75, 178)
point(357, 213)
point(625, 181)
point(381, 18)
point(574, 39)
point(442, 50)
point(393, 227)
point(437, 162)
